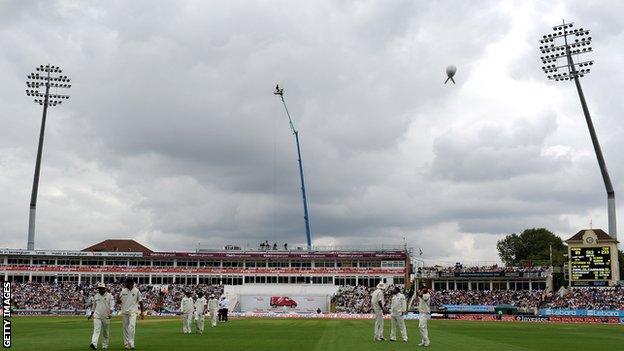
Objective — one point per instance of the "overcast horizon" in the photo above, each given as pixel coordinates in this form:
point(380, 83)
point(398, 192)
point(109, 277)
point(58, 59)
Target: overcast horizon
point(172, 135)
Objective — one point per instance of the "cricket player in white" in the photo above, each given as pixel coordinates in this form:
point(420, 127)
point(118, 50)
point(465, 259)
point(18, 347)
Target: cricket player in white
point(398, 307)
point(130, 299)
point(424, 300)
point(377, 301)
point(101, 309)
point(213, 308)
point(187, 307)
point(200, 311)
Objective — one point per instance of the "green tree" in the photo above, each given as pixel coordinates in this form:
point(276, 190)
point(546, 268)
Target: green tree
point(531, 245)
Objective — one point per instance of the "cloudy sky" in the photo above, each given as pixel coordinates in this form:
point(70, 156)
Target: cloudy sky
point(173, 137)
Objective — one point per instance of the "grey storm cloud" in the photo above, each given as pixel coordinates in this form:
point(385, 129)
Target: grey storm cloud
point(173, 137)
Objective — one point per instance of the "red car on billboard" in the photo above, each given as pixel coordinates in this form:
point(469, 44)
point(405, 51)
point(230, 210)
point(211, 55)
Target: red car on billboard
point(280, 301)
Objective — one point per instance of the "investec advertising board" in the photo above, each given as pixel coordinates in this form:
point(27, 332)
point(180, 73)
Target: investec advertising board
point(283, 303)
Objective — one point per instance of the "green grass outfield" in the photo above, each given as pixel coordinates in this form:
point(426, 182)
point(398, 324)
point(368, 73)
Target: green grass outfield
point(155, 334)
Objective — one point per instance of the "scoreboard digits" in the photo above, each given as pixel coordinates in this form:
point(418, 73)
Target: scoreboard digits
point(590, 263)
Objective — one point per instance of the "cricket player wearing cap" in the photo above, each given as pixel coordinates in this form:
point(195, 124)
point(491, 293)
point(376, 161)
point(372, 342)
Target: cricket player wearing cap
point(187, 307)
point(398, 308)
point(213, 308)
point(101, 313)
point(200, 311)
point(424, 299)
point(130, 299)
point(377, 301)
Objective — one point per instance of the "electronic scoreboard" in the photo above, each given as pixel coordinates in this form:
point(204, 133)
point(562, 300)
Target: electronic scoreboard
point(590, 264)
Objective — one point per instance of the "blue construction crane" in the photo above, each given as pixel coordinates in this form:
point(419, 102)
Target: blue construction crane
point(280, 92)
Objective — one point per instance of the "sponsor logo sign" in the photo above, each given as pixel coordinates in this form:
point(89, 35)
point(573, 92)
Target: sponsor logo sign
point(591, 320)
point(469, 308)
point(581, 312)
point(540, 319)
point(207, 270)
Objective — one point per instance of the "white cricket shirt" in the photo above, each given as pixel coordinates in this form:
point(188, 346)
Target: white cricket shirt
point(423, 303)
point(199, 305)
point(102, 305)
point(213, 304)
point(378, 296)
point(130, 300)
point(398, 305)
point(187, 305)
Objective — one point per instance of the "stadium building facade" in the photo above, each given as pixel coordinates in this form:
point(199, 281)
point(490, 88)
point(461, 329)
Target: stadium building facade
point(113, 260)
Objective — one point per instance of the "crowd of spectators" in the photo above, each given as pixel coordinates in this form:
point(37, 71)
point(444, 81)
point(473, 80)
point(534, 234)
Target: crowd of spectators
point(47, 296)
point(522, 299)
point(348, 299)
point(73, 296)
point(589, 298)
point(460, 268)
point(356, 299)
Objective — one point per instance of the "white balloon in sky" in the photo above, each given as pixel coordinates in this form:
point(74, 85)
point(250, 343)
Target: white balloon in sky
point(450, 72)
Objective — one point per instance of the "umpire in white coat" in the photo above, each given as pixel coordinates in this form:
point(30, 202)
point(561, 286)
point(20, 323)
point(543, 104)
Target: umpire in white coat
point(377, 301)
point(398, 307)
point(101, 311)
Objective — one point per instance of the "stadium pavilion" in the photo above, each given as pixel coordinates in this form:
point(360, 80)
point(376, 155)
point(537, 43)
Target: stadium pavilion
point(113, 260)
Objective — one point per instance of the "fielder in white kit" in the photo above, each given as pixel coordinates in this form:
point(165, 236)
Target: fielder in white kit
point(213, 308)
point(377, 301)
point(424, 300)
point(200, 311)
point(101, 310)
point(398, 307)
point(187, 307)
point(131, 300)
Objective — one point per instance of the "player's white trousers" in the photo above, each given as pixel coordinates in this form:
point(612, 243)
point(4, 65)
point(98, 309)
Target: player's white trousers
point(199, 319)
point(187, 322)
point(397, 320)
point(129, 327)
point(422, 325)
point(100, 325)
point(213, 318)
point(379, 322)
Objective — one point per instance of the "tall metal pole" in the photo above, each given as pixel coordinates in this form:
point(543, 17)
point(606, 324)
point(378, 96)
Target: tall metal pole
point(45, 99)
point(280, 92)
point(35, 187)
point(573, 71)
point(601, 162)
point(581, 45)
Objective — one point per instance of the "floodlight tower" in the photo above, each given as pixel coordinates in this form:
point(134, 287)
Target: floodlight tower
point(46, 77)
point(566, 44)
point(280, 93)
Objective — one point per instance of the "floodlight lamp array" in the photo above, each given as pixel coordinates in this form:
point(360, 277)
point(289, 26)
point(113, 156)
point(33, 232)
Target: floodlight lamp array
point(565, 43)
point(47, 77)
